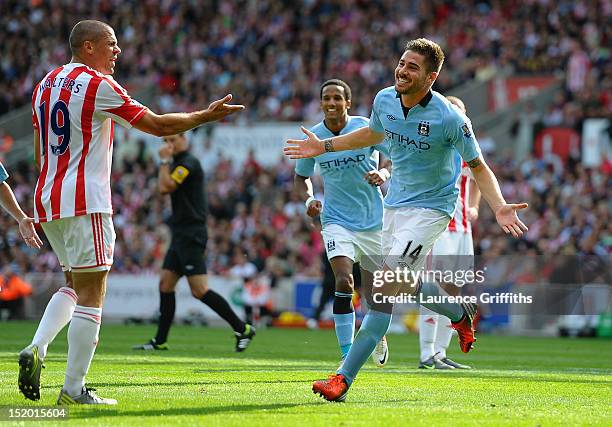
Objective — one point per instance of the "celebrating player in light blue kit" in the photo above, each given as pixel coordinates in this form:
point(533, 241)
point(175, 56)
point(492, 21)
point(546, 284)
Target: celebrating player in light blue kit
point(352, 214)
point(428, 138)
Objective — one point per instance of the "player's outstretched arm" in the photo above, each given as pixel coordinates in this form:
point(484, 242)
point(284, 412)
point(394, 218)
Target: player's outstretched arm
point(312, 146)
point(505, 213)
point(174, 123)
point(26, 225)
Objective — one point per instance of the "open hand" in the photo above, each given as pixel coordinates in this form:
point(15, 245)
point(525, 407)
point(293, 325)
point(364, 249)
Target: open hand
point(28, 232)
point(304, 148)
point(508, 220)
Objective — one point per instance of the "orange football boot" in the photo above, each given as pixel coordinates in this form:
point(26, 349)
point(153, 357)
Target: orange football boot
point(333, 389)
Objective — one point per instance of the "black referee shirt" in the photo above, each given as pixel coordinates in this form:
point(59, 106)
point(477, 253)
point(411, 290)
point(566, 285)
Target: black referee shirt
point(189, 199)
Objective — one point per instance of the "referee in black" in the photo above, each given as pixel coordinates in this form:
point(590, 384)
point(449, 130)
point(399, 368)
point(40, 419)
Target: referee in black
point(181, 176)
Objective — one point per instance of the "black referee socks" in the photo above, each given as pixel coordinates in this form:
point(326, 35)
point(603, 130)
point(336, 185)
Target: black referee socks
point(167, 306)
point(218, 304)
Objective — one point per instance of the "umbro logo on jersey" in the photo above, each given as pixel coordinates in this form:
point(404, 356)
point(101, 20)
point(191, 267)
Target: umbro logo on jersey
point(391, 117)
point(423, 128)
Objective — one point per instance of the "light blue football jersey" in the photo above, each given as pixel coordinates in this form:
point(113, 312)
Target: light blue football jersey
point(3, 174)
point(349, 200)
point(425, 147)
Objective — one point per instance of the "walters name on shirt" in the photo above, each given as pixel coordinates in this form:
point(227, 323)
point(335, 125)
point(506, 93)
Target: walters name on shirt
point(60, 82)
point(73, 109)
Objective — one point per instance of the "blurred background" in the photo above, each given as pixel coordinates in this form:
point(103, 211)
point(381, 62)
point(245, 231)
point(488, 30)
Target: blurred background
point(535, 76)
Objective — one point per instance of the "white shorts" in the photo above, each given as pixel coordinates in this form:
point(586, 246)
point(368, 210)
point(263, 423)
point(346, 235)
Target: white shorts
point(454, 252)
point(82, 243)
point(409, 234)
point(454, 243)
point(364, 247)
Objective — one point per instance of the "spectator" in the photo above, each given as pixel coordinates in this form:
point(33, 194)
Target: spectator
point(6, 144)
point(13, 292)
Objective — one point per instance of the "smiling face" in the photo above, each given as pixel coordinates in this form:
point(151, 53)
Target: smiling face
point(334, 103)
point(103, 52)
point(411, 75)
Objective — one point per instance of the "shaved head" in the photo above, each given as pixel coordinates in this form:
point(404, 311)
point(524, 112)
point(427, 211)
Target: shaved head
point(88, 30)
point(457, 102)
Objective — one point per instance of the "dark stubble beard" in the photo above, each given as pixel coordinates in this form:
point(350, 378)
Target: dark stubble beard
point(416, 87)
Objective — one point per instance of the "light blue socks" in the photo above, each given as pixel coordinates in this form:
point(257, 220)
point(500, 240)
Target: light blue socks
point(373, 328)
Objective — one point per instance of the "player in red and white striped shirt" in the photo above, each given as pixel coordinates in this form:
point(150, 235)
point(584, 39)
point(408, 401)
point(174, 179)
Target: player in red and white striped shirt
point(454, 250)
point(74, 109)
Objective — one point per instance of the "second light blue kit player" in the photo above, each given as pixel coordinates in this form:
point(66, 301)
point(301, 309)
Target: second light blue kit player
point(352, 213)
point(428, 137)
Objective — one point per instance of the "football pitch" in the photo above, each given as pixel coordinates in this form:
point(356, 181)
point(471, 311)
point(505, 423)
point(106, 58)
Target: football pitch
point(201, 381)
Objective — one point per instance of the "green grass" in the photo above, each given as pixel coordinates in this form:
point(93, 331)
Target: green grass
point(201, 381)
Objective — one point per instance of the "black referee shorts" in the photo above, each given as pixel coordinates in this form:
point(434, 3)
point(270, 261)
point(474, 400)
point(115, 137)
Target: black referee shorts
point(185, 255)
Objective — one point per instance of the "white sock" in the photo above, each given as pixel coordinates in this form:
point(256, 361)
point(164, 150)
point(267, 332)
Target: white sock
point(428, 322)
point(443, 336)
point(57, 314)
point(82, 341)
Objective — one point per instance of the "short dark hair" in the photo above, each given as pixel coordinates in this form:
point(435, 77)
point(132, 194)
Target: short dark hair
point(87, 30)
point(337, 82)
point(434, 56)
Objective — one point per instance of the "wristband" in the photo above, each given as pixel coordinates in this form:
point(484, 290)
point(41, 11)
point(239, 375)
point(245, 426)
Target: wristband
point(164, 161)
point(385, 173)
point(308, 201)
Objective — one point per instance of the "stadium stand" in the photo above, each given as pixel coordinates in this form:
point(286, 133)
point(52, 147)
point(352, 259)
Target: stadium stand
point(273, 54)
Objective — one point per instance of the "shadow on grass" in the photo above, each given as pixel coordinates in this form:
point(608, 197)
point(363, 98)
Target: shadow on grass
point(261, 368)
point(209, 410)
point(510, 376)
point(168, 412)
point(192, 383)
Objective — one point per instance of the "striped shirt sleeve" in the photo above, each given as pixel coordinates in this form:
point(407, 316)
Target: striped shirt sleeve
point(113, 101)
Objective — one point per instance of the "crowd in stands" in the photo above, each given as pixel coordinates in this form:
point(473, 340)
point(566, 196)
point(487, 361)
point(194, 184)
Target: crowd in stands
point(272, 55)
point(568, 214)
